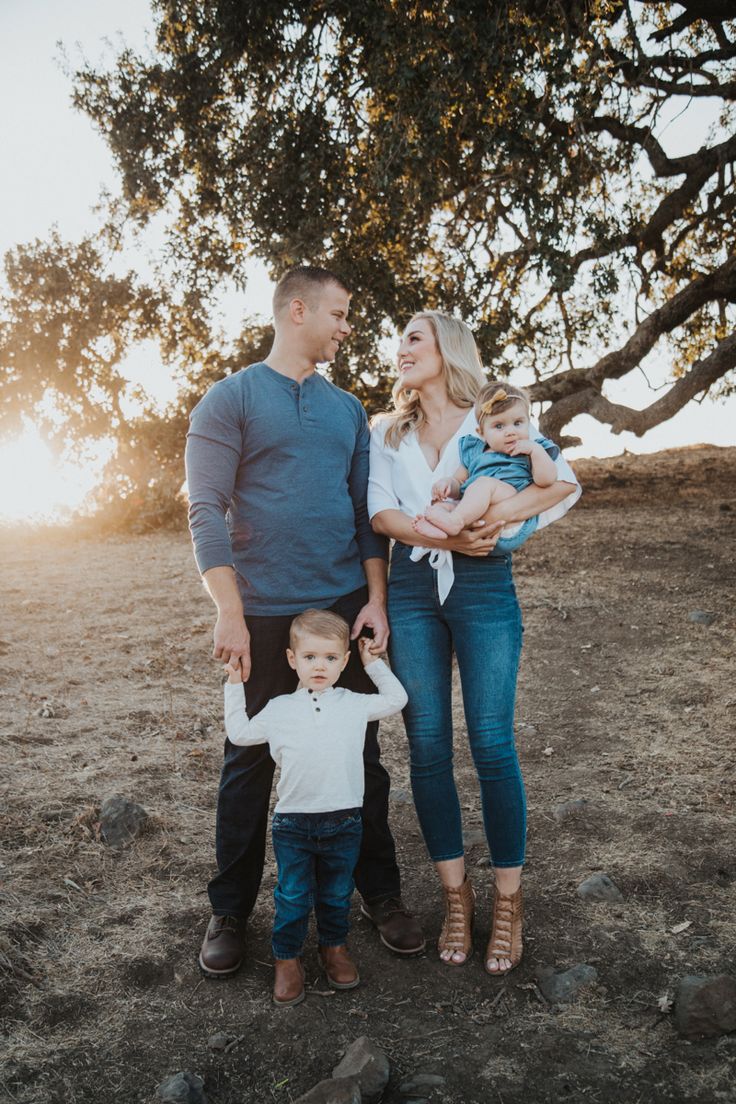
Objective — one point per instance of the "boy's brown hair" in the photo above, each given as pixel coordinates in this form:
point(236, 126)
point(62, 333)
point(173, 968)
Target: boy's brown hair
point(322, 623)
point(497, 397)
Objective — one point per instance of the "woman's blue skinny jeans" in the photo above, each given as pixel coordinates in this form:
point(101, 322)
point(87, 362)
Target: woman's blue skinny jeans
point(481, 622)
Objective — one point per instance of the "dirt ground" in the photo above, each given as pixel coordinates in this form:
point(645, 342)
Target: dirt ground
point(623, 701)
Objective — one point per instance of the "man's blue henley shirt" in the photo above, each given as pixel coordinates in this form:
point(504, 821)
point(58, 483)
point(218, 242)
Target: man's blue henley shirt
point(277, 474)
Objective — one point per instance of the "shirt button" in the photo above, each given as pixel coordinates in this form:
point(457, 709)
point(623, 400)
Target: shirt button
point(317, 709)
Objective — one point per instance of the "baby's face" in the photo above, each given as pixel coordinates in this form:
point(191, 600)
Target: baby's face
point(318, 660)
point(502, 431)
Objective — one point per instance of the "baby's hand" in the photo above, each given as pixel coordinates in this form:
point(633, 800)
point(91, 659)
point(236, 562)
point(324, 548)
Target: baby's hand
point(365, 647)
point(521, 448)
point(234, 671)
point(442, 490)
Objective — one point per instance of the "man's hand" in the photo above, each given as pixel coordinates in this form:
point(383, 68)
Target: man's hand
point(234, 672)
point(478, 539)
point(373, 616)
point(232, 641)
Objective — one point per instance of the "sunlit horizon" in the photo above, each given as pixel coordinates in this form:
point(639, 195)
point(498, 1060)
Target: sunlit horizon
point(40, 488)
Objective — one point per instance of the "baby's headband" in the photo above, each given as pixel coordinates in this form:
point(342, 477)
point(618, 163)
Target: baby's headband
point(489, 404)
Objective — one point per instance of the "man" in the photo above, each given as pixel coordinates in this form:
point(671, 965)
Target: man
point(277, 471)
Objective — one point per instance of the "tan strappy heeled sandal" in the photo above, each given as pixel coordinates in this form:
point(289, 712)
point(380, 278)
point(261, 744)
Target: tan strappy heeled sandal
point(505, 941)
point(457, 930)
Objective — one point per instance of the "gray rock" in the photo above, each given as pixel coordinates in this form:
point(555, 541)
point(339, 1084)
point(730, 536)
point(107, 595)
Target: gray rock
point(218, 1041)
point(336, 1090)
point(401, 797)
point(705, 1005)
point(419, 1085)
point(558, 988)
point(182, 1088)
point(121, 820)
point(599, 887)
point(702, 617)
point(568, 808)
point(368, 1064)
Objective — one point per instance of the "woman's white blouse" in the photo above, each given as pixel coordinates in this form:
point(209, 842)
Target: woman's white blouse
point(401, 479)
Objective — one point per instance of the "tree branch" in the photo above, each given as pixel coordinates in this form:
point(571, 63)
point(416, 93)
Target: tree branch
point(660, 162)
point(719, 284)
point(702, 375)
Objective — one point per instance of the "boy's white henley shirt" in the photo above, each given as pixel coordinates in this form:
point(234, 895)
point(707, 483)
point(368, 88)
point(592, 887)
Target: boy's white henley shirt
point(316, 738)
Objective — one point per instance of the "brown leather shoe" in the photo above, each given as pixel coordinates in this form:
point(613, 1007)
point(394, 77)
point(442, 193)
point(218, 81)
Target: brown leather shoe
point(223, 946)
point(505, 942)
point(341, 971)
point(456, 937)
point(399, 930)
point(288, 982)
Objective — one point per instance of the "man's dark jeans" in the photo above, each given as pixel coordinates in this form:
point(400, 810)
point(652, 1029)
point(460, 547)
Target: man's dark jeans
point(247, 774)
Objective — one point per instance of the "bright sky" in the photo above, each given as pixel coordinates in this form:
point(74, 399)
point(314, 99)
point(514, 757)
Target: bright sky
point(55, 166)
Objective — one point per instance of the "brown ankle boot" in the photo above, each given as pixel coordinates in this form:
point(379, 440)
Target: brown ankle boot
point(506, 941)
point(288, 982)
point(457, 930)
point(341, 971)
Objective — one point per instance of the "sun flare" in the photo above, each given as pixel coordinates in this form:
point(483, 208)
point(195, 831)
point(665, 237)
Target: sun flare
point(37, 486)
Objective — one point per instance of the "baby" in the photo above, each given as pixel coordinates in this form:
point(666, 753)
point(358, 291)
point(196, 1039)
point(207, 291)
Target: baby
point(495, 466)
point(316, 737)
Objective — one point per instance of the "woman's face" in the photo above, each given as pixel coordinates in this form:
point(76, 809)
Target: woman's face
point(419, 358)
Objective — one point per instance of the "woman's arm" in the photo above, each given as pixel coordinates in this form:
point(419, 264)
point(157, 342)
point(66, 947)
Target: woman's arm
point(471, 542)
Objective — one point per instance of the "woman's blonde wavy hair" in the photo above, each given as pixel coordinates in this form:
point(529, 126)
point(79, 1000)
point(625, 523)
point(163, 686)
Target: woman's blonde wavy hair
point(462, 368)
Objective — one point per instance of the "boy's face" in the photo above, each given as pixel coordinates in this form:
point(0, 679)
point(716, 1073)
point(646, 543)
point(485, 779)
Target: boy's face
point(502, 431)
point(318, 660)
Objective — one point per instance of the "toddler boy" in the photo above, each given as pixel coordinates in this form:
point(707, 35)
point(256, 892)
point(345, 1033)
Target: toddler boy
point(315, 736)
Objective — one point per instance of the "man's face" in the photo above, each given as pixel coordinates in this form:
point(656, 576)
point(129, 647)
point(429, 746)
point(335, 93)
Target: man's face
point(325, 324)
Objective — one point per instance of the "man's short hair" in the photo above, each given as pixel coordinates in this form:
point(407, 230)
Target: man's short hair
point(305, 282)
point(330, 626)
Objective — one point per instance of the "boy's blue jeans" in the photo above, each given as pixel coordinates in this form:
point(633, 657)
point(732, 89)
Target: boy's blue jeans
point(316, 855)
point(480, 622)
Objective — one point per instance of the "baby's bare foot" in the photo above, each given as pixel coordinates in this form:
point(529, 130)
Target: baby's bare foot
point(447, 521)
point(425, 528)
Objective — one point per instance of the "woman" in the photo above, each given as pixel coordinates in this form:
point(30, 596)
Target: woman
point(458, 598)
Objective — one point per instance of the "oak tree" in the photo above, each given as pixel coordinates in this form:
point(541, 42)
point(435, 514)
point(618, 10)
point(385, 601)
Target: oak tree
point(503, 161)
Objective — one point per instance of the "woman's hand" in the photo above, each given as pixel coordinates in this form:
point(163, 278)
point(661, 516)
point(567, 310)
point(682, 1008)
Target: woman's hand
point(478, 539)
